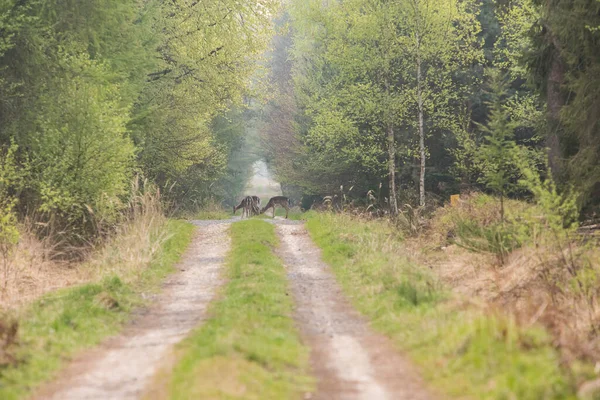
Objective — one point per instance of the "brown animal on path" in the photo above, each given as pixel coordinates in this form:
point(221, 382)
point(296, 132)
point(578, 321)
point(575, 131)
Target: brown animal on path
point(255, 205)
point(278, 201)
point(246, 205)
point(250, 204)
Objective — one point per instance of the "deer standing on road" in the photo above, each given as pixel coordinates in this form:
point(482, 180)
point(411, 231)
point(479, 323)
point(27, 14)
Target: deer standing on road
point(278, 201)
point(245, 205)
point(250, 205)
point(255, 205)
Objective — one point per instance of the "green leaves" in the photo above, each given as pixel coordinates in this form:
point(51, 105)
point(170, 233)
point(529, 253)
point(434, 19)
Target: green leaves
point(10, 177)
point(94, 91)
point(363, 69)
point(81, 153)
point(208, 51)
point(499, 153)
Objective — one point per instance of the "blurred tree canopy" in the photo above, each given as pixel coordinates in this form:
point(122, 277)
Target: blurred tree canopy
point(94, 92)
point(372, 92)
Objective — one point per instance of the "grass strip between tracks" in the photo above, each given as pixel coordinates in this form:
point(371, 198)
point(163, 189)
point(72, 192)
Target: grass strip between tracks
point(463, 350)
point(64, 322)
point(249, 348)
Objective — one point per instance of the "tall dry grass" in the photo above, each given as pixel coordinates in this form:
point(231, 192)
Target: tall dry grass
point(40, 264)
point(33, 267)
point(550, 279)
point(136, 240)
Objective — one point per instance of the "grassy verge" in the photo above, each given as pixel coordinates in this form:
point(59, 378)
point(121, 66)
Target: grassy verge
point(69, 320)
point(208, 211)
point(464, 350)
point(249, 348)
point(212, 215)
point(294, 214)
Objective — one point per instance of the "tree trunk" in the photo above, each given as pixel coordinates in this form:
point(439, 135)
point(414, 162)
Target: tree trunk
point(502, 207)
point(391, 145)
point(421, 127)
point(555, 101)
point(392, 169)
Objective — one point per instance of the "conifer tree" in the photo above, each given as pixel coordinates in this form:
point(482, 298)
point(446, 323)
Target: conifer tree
point(497, 153)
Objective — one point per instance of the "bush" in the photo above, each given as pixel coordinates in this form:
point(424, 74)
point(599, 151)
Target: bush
point(477, 216)
point(476, 223)
point(498, 238)
point(10, 177)
point(82, 157)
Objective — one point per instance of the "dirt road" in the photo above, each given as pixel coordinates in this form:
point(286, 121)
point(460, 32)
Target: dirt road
point(349, 360)
point(122, 367)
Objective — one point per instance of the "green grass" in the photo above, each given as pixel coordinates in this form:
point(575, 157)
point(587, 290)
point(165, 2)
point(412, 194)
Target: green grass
point(69, 320)
point(464, 351)
point(212, 215)
point(249, 348)
point(280, 212)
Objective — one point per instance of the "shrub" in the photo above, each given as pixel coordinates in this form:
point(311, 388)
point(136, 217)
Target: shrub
point(498, 153)
point(81, 154)
point(475, 209)
point(10, 178)
point(499, 238)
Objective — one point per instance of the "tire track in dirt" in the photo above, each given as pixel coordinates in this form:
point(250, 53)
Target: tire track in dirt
point(123, 366)
point(349, 360)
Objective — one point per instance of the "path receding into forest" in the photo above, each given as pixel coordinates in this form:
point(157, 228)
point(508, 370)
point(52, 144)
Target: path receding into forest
point(348, 359)
point(123, 366)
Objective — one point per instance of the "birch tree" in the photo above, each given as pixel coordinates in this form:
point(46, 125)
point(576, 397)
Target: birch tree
point(386, 77)
point(439, 40)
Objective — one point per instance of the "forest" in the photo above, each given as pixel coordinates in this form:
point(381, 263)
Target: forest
point(414, 100)
point(433, 98)
point(439, 161)
point(96, 93)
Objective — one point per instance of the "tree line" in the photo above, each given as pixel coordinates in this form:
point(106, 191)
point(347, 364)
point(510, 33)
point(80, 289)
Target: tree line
point(95, 92)
point(425, 98)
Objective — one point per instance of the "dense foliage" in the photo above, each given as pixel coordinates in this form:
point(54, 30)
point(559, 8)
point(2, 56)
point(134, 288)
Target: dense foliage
point(94, 92)
point(371, 93)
